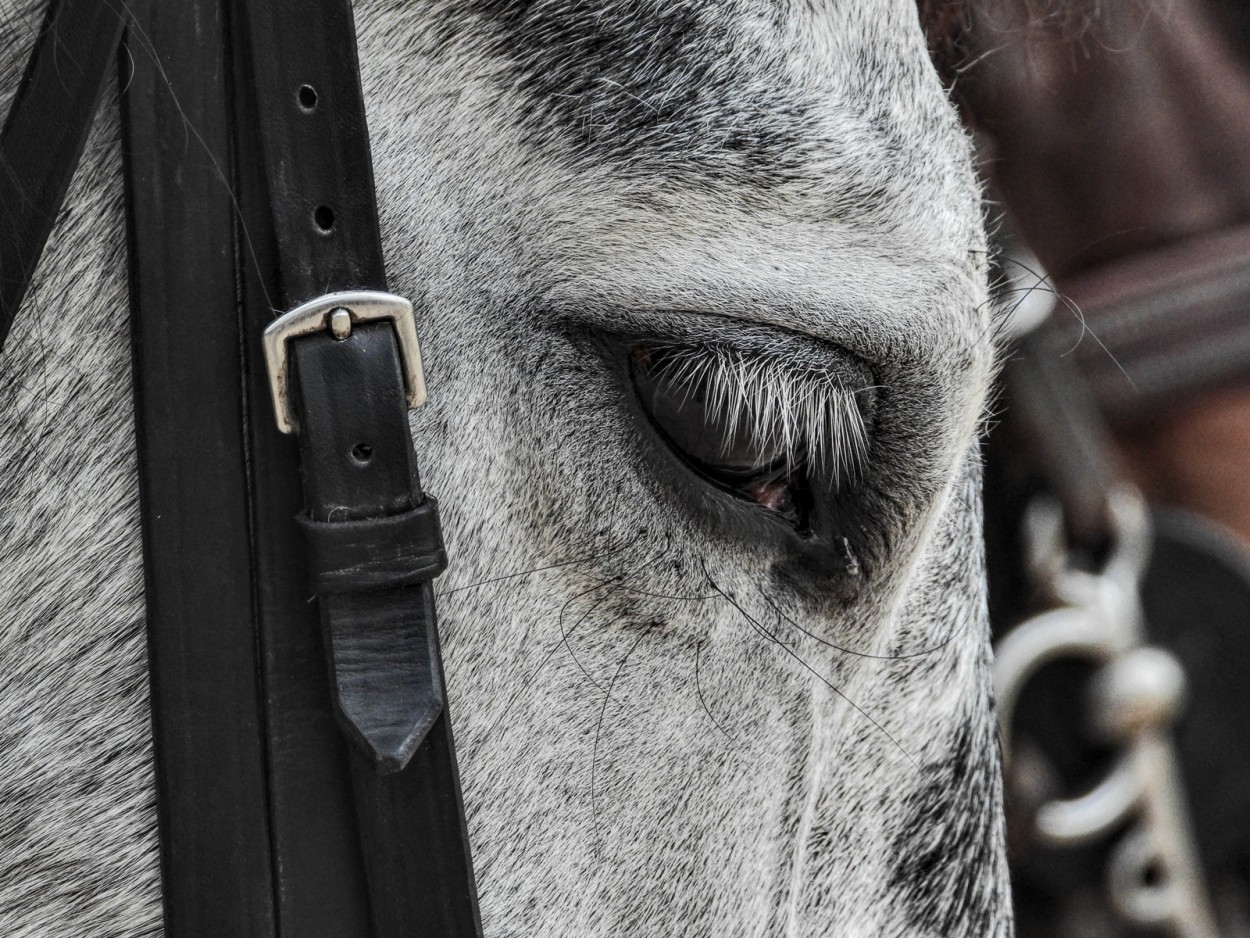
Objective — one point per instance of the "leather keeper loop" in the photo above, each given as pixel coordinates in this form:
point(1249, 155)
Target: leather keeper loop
point(375, 553)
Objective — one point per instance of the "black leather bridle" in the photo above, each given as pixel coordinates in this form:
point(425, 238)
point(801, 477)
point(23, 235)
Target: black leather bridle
point(305, 771)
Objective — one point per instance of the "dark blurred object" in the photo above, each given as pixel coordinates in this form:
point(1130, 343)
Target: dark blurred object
point(1128, 137)
point(1196, 595)
point(1233, 21)
point(1119, 143)
point(1079, 594)
point(1122, 152)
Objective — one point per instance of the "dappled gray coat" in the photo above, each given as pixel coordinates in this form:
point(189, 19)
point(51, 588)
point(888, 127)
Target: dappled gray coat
point(685, 708)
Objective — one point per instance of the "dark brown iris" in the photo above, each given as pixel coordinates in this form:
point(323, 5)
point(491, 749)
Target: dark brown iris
point(722, 450)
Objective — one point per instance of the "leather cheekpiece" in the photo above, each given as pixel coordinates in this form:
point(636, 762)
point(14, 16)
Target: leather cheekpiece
point(271, 825)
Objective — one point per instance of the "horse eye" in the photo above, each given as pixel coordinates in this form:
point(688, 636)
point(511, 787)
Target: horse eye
point(728, 445)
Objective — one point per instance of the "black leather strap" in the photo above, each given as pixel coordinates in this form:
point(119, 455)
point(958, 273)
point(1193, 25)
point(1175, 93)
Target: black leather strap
point(360, 478)
point(260, 835)
point(45, 131)
point(316, 147)
point(1064, 436)
point(350, 851)
point(355, 447)
point(208, 720)
point(359, 470)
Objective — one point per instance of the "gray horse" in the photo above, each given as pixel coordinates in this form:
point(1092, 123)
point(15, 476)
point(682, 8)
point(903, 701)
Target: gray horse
point(702, 290)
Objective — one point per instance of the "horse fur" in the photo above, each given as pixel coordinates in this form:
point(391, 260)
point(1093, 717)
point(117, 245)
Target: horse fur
point(675, 717)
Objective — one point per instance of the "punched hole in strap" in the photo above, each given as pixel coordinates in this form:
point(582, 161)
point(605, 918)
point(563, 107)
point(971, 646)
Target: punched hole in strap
point(323, 216)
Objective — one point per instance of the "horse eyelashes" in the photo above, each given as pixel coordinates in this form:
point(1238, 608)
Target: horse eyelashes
point(762, 404)
point(753, 424)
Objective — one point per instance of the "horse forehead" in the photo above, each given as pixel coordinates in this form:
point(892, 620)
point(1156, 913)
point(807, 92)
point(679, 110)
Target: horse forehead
point(735, 92)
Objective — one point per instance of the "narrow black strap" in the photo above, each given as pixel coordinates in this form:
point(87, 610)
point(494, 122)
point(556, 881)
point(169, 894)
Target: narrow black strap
point(45, 131)
point(360, 477)
point(1064, 436)
point(355, 447)
point(316, 147)
point(260, 835)
point(359, 469)
point(208, 723)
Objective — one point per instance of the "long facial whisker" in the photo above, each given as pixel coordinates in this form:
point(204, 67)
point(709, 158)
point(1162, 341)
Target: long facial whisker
point(588, 558)
point(851, 651)
point(635, 591)
point(614, 585)
point(698, 689)
point(529, 679)
point(755, 624)
point(566, 635)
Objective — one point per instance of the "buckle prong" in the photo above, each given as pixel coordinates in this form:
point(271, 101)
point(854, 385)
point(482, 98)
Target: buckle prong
point(339, 312)
point(341, 323)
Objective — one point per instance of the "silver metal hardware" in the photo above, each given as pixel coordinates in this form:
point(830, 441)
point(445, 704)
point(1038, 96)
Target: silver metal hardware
point(341, 324)
point(1153, 877)
point(338, 312)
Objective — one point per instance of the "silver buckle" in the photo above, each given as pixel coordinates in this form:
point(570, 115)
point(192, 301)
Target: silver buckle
point(338, 312)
